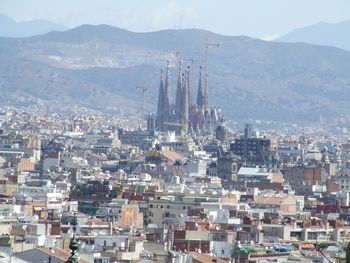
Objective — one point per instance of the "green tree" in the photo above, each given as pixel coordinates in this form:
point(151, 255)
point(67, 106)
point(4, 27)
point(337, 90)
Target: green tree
point(348, 253)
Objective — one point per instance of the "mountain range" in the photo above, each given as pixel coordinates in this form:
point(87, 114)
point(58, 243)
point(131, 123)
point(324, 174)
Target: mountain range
point(99, 67)
point(326, 34)
point(11, 28)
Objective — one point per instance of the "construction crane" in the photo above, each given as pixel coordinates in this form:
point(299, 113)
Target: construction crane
point(208, 45)
point(143, 90)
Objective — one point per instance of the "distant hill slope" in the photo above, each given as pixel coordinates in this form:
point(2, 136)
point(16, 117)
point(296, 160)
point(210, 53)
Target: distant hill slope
point(11, 28)
point(326, 34)
point(100, 66)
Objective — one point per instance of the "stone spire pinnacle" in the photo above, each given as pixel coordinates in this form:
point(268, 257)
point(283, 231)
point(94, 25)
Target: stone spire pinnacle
point(179, 90)
point(166, 98)
point(160, 106)
point(189, 91)
point(200, 94)
point(185, 107)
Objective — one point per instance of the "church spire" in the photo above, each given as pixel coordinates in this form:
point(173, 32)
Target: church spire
point(179, 90)
point(200, 94)
point(166, 99)
point(189, 91)
point(160, 106)
point(185, 100)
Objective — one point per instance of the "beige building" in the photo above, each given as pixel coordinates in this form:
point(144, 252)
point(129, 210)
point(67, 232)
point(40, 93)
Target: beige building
point(26, 164)
point(294, 233)
point(277, 201)
point(168, 211)
point(131, 216)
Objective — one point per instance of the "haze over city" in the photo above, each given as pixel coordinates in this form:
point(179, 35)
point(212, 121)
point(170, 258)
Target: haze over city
point(255, 18)
point(174, 131)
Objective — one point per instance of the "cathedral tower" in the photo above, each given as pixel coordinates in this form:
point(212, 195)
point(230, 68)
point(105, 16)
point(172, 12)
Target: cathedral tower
point(179, 92)
point(160, 106)
point(200, 94)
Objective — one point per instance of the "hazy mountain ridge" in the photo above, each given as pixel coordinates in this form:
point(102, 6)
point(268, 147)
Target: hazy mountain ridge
point(11, 28)
point(100, 66)
point(326, 34)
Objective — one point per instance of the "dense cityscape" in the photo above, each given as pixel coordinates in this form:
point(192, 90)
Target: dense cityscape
point(169, 192)
point(175, 146)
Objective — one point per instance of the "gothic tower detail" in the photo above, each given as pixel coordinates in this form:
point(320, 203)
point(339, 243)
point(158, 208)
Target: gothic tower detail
point(200, 94)
point(166, 99)
point(179, 91)
point(181, 115)
point(160, 107)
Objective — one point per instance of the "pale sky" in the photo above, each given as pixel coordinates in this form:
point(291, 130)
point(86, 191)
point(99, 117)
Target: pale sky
point(256, 18)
